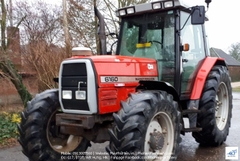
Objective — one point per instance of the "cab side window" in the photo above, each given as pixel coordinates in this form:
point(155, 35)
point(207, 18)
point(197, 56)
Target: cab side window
point(193, 35)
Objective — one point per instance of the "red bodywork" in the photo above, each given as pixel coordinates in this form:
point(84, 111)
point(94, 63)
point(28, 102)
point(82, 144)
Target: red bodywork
point(202, 74)
point(126, 73)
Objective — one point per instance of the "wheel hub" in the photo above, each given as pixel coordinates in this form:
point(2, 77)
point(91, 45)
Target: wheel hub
point(58, 142)
point(159, 140)
point(221, 106)
point(156, 140)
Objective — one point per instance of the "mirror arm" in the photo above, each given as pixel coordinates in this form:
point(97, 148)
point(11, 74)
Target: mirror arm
point(187, 19)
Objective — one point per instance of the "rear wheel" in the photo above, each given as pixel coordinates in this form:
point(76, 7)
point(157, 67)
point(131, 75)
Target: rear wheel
point(39, 135)
point(147, 128)
point(216, 108)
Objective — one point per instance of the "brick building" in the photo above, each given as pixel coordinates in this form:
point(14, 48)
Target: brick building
point(233, 64)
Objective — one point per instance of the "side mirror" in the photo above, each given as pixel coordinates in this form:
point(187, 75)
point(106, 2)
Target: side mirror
point(198, 15)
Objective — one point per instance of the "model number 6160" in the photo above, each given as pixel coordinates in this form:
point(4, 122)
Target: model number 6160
point(111, 79)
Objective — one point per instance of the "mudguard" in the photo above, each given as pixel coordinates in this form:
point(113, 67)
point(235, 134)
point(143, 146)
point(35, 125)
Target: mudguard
point(202, 74)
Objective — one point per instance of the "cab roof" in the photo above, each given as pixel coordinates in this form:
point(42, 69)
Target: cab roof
point(152, 7)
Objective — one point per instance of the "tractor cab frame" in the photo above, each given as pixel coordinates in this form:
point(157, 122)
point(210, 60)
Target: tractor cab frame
point(162, 30)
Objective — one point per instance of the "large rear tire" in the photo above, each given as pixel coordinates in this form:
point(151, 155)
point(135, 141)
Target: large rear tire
point(216, 108)
point(38, 132)
point(147, 128)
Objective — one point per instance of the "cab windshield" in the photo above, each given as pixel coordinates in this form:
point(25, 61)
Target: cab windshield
point(148, 35)
point(151, 36)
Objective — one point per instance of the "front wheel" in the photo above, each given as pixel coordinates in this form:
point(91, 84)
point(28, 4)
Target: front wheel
point(216, 108)
point(147, 128)
point(39, 135)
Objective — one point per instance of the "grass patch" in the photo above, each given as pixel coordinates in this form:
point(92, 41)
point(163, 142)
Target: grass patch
point(237, 89)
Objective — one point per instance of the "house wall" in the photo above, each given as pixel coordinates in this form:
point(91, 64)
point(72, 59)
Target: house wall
point(8, 93)
point(234, 73)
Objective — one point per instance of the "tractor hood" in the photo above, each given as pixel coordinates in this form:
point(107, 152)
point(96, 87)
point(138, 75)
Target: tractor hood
point(92, 84)
point(122, 69)
point(115, 58)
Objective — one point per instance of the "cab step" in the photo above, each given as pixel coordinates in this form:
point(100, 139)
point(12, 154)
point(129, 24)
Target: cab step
point(190, 111)
point(193, 129)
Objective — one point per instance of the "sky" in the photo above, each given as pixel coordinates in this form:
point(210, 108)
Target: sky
point(223, 27)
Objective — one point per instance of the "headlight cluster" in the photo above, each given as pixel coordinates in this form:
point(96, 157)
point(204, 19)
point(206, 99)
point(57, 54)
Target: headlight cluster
point(79, 95)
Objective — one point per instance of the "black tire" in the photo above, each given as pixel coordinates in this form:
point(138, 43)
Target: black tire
point(216, 108)
point(132, 127)
point(37, 130)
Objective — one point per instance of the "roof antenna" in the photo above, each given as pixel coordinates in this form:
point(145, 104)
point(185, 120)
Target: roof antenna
point(208, 1)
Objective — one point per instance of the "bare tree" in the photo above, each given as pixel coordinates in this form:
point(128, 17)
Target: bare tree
point(42, 22)
point(6, 64)
point(42, 40)
point(235, 51)
point(82, 23)
point(45, 61)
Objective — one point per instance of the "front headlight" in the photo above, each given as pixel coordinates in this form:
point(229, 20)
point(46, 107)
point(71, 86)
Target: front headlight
point(80, 95)
point(67, 94)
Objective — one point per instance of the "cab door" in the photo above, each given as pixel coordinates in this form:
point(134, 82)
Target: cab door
point(193, 35)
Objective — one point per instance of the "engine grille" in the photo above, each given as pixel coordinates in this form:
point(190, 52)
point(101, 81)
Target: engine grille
point(74, 69)
point(72, 74)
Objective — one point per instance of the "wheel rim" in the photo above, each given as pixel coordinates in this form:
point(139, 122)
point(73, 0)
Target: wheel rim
point(222, 106)
point(159, 140)
point(60, 143)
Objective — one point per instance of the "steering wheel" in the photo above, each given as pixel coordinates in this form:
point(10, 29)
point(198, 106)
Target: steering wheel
point(155, 41)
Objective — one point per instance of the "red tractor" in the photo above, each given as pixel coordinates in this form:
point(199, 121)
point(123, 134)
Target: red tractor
point(138, 98)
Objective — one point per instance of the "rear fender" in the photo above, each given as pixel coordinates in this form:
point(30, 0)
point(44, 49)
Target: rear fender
point(202, 74)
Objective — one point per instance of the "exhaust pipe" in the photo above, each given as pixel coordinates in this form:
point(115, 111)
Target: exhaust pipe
point(101, 32)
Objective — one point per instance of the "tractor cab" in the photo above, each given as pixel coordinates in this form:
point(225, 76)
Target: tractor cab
point(169, 32)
